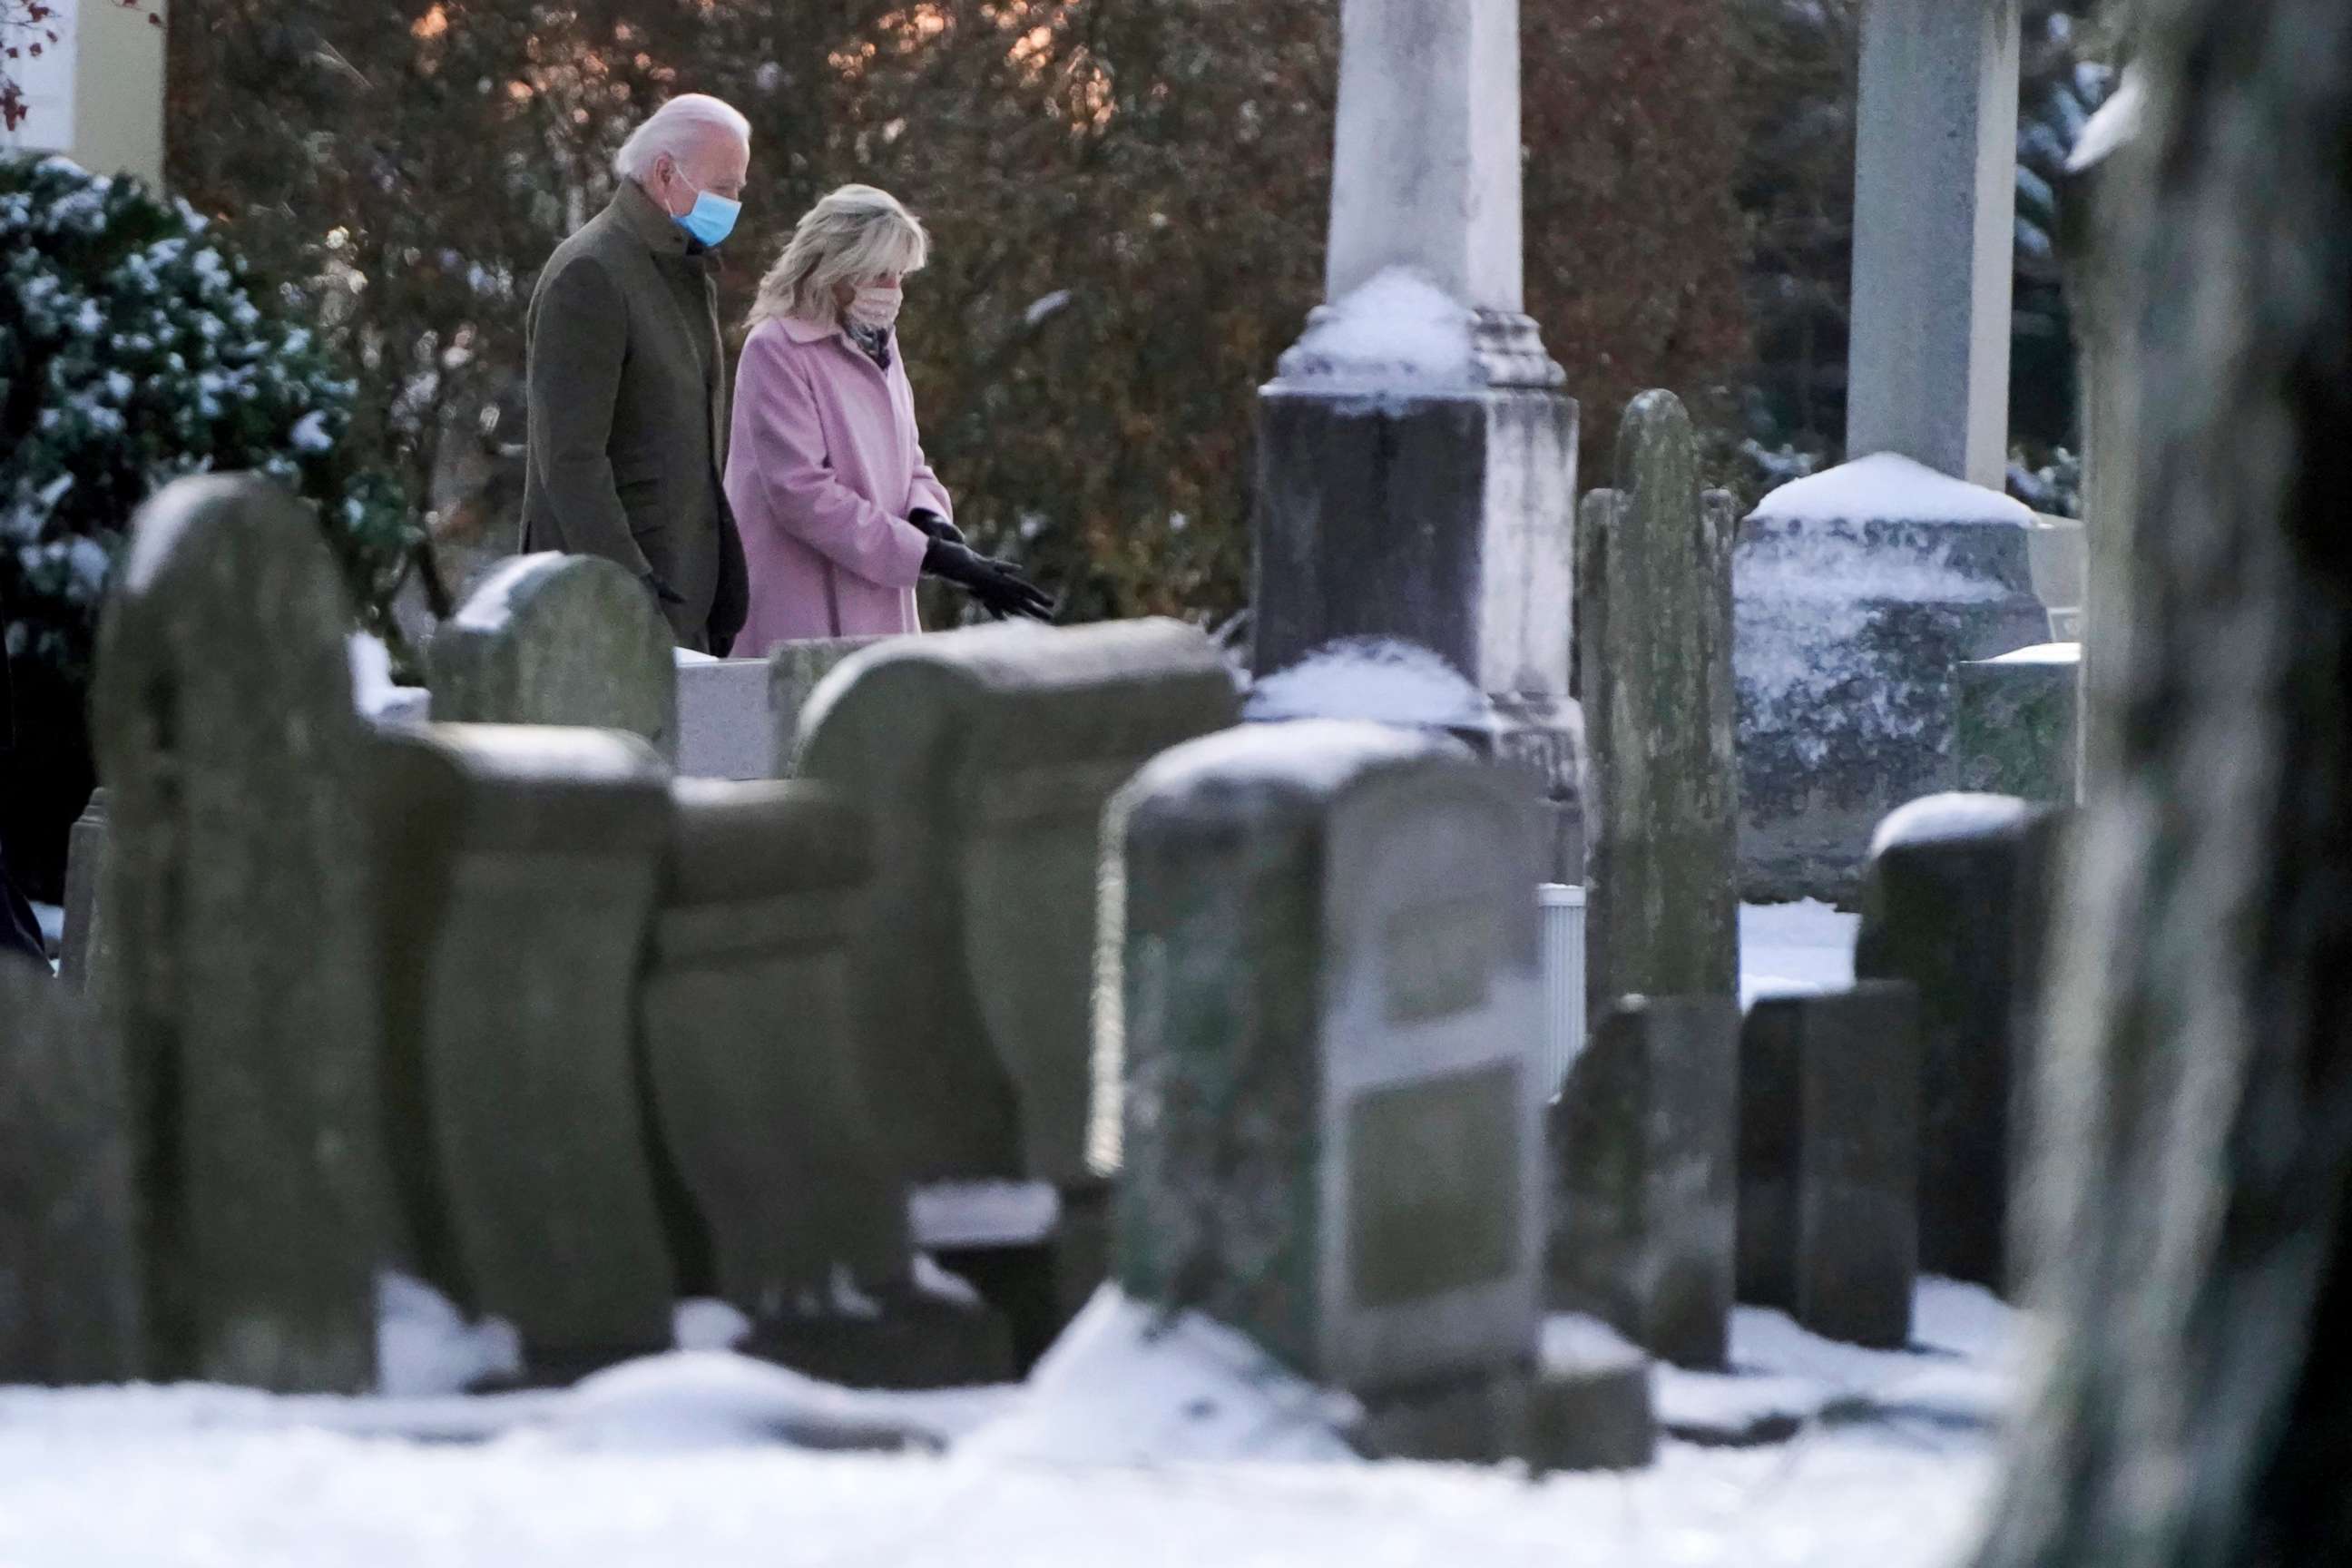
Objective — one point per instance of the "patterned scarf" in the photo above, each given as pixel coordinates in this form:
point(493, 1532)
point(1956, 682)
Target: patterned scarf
point(874, 342)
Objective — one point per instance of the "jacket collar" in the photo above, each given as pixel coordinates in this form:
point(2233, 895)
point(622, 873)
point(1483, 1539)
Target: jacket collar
point(801, 330)
point(642, 216)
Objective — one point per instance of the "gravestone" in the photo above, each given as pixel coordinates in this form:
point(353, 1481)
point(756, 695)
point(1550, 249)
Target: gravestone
point(515, 931)
point(795, 670)
point(1957, 904)
point(558, 639)
point(237, 892)
point(1662, 897)
point(70, 1306)
point(1859, 592)
point(87, 953)
point(1644, 1199)
point(751, 1067)
point(1828, 1161)
point(1590, 1407)
point(726, 727)
point(1416, 455)
point(2015, 720)
point(1327, 1007)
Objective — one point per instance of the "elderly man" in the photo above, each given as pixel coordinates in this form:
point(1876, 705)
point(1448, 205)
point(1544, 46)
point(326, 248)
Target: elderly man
point(628, 381)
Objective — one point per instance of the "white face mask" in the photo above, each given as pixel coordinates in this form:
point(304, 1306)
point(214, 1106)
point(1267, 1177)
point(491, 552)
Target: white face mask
point(876, 308)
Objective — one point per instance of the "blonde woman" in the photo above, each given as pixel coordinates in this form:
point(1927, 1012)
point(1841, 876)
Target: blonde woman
point(839, 512)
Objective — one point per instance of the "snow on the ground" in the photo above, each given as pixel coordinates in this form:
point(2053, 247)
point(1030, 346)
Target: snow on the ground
point(1889, 487)
point(52, 919)
point(1794, 949)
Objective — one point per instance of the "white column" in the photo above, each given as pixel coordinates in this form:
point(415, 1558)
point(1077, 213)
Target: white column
point(1427, 169)
point(97, 94)
point(1934, 235)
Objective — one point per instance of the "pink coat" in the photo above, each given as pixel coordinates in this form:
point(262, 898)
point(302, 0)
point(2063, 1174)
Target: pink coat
point(823, 468)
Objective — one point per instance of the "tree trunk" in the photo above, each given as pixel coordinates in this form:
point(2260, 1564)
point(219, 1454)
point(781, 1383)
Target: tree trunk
point(2187, 1205)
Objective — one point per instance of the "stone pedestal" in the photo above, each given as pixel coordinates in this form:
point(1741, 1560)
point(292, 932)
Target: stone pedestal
point(1859, 592)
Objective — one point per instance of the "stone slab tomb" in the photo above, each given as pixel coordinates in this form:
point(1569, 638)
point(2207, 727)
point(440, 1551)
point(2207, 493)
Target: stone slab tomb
point(726, 728)
point(236, 891)
point(523, 864)
point(1957, 904)
point(558, 639)
point(1319, 1081)
point(1644, 1199)
point(71, 1306)
point(1828, 1161)
point(1653, 573)
point(753, 1074)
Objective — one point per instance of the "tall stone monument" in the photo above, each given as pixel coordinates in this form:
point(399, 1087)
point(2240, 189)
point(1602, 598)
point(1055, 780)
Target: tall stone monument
point(1417, 457)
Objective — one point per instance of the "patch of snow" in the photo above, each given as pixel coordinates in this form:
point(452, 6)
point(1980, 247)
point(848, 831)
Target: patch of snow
point(706, 1324)
point(1579, 1338)
point(1377, 680)
point(52, 919)
point(1889, 487)
point(1319, 756)
point(947, 1216)
point(373, 687)
point(425, 1346)
point(689, 656)
point(940, 1285)
point(706, 1399)
point(2115, 126)
point(1801, 948)
point(310, 434)
point(1124, 1387)
point(1398, 332)
point(1934, 818)
point(1045, 307)
point(2044, 653)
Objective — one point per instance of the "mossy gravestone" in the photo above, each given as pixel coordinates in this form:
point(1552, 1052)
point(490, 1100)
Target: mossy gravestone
point(1329, 1003)
point(69, 1283)
point(558, 639)
point(237, 890)
point(1643, 1145)
point(1653, 576)
point(524, 867)
point(2014, 723)
point(1828, 1161)
point(986, 757)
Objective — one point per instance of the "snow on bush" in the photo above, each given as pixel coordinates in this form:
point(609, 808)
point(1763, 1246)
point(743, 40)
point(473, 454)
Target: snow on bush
point(135, 347)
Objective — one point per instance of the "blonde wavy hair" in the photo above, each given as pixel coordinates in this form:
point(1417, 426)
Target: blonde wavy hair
point(854, 236)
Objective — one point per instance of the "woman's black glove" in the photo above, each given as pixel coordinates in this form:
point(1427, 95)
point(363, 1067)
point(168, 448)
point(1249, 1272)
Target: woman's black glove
point(1000, 590)
point(936, 527)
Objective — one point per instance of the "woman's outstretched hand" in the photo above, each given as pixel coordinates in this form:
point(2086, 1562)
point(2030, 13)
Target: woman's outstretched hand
point(1000, 590)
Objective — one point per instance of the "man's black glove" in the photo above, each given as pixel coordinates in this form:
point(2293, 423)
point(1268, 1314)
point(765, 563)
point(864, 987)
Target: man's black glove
point(935, 527)
point(662, 593)
point(1000, 590)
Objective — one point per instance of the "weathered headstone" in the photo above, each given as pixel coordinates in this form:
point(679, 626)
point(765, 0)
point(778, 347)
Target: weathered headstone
point(726, 726)
point(2014, 723)
point(1661, 909)
point(237, 890)
point(1644, 1198)
point(1935, 234)
point(1828, 1161)
point(87, 953)
point(70, 1307)
point(528, 862)
point(795, 670)
point(1956, 903)
point(1328, 1007)
point(1416, 455)
point(558, 639)
point(752, 1071)
point(1590, 1407)
point(1859, 591)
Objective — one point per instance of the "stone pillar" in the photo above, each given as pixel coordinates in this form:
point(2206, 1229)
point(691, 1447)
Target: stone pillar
point(237, 888)
point(1327, 1005)
point(1417, 458)
point(558, 639)
point(1654, 559)
point(1935, 234)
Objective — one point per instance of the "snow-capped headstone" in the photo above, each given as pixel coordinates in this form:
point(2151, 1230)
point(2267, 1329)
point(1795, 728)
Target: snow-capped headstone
point(2014, 727)
point(795, 670)
point(1934, 235)
point(726, 723)
point(86, 955)
point(558, 639)
point(237, 887)
point(1662, 895)
point(1828, 1161)
point(1957, 902)
point(71, 1307)
point(1328, 1000)
point(530, 859)
point(1590, 1407)
point(1417, 457)
point(1644, 1202)
point(752, 1068)
point(1859, 592)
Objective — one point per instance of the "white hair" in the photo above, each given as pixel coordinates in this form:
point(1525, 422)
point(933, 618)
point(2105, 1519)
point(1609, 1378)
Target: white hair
point(854, 236)
point(676, 129)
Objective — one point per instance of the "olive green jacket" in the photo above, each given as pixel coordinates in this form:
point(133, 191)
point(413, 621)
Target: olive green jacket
point(627, 439)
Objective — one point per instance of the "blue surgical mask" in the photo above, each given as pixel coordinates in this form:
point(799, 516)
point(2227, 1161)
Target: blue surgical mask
point(711, 218)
